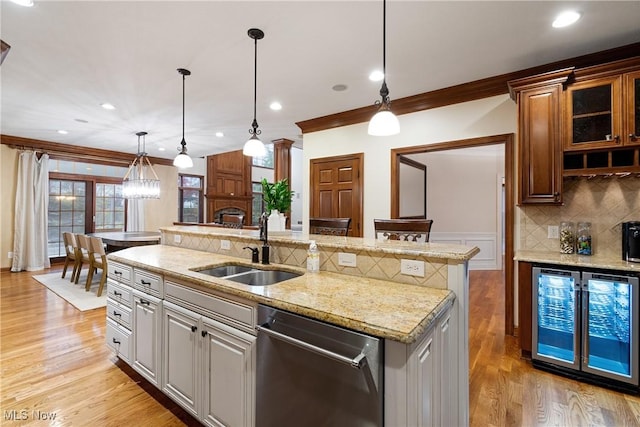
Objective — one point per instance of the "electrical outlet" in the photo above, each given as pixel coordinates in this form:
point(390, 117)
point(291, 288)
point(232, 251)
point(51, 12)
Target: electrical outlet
point(9, 255)
point(225, 244)
point(553, 232)
point(412, 267)
point(177, 238)
point(346, 259)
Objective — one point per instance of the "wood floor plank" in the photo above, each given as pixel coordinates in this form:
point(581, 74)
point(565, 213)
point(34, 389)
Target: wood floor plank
point(53, 359)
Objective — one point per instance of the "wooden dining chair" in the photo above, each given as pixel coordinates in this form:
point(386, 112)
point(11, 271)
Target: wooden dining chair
point(83, 253)
point(329, 226)
point(97, 261)
point(412, 230)
point(232, 221)
point(71, 250)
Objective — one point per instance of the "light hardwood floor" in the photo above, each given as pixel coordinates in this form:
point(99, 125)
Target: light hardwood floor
point(54, 361)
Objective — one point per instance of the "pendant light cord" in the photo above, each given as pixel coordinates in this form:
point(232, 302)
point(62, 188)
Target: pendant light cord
point(255, 83)
point(384, 91)
point(183, 141)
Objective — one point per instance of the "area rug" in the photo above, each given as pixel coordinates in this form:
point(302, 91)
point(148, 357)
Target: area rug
point(75, 294)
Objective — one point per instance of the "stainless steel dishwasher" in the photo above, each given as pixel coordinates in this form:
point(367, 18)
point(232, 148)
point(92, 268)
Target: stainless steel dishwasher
point(311, 373)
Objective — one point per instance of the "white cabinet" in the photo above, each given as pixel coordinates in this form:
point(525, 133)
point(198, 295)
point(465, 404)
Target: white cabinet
point(146, 335)
point(181, 360)
point(208, 366)
point(420, 385)
point(229, 384)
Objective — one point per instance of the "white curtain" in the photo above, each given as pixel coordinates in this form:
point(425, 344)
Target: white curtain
point(30, 251)
point(135, 210)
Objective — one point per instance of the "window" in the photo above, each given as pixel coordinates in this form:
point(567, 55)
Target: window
point(190, 198)
point(267, 160)
point(83, 198)
point(256, 204)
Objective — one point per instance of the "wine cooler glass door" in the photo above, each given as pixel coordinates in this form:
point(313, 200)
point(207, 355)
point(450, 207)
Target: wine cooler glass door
point(556, 317)
point(610, 326)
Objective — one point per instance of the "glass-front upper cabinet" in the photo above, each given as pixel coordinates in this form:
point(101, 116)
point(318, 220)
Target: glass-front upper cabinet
point(594, 114)
point(632, 98)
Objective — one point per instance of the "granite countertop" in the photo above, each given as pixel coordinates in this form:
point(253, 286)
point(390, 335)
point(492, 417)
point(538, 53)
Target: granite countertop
point(395, 311)
point(432, 250)
point(608, 262)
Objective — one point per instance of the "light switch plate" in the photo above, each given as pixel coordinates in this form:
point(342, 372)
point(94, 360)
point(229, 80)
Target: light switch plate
point(177, 238)
point(412, 267)
point(553, 232)
point(346, 259)
point(225, 244)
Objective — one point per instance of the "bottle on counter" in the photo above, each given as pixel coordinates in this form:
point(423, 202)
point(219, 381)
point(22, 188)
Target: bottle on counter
point(567, 237)
point(584, 239)
point(313, 257)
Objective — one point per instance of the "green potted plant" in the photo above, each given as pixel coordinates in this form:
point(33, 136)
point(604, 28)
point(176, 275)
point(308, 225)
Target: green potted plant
point(277, 199)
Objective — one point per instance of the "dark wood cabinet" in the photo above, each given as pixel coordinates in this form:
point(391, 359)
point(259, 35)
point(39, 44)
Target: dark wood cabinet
point(631, 93)
point(229, 185)
point(539, 100)
point(525, 322)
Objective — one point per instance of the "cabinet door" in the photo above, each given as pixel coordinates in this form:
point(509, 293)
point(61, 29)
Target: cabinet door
point(229, 376)
point(448, 399)
point(181, 356)
point(594, 114)
point(428, 383)
point(540, 158)
point(632, 106)
point(147, 336)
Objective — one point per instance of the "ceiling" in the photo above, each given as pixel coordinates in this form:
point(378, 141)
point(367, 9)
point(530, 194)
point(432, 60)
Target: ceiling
point(68, 57)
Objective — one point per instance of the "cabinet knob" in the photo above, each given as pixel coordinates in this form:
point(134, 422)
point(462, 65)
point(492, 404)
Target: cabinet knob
point(144, 301)
point(204, 333)
point(115, 313)
point(194, 328)
point(633, 137)
point(115, 341)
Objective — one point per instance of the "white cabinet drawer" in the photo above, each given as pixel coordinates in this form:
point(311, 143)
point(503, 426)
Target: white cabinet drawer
point(118, 339)
point(150, 283)
point(119, 272)
point(236, 312)
point(120, 313)
point(119, 293)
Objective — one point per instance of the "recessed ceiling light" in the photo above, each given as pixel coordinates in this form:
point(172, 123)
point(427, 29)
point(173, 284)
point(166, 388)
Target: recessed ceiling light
point(160, 148)
point(81, 120)
point(566, 18)
point(339, 87)
point(376, 76)
point(276, 106)
point(26, 3)
point(63, 132)
point(107, 106)
point(219, 134)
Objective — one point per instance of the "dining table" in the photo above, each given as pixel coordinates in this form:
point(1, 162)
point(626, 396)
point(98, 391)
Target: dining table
point(116, 240)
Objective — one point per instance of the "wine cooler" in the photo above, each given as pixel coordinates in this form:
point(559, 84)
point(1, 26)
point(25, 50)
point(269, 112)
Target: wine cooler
point(586, 325)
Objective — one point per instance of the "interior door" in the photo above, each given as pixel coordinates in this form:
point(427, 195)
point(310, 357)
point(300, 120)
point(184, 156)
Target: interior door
point(336, 189)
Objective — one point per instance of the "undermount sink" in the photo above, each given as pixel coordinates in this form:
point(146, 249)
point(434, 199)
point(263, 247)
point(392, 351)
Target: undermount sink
point(225, 270)
point(249, 275)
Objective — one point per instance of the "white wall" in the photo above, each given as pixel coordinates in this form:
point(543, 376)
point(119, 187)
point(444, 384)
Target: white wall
point(297, 169)
point(485, 117)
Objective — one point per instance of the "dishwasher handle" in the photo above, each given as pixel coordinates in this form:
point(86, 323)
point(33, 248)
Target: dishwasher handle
point(357, 362)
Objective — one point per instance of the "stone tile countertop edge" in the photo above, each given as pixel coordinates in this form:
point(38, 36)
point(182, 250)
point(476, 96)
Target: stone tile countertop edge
point(433, 250)
point(606, 262)
point(390, 310)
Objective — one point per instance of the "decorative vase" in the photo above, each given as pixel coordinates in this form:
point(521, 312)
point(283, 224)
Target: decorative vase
point(274, 220)
point(283, 222)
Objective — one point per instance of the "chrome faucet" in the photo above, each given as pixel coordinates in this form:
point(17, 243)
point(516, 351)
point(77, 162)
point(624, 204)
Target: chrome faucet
point(264, 234)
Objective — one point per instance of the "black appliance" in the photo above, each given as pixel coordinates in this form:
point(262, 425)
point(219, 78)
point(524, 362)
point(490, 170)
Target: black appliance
point(631, 241)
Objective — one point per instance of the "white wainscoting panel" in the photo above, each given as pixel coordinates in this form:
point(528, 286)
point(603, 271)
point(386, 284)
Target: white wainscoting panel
point(489, 257)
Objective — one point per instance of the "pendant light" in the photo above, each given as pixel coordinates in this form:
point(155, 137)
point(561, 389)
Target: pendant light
point(182, 160)
point(136, 185)
point(384, 122)
point(254, 147)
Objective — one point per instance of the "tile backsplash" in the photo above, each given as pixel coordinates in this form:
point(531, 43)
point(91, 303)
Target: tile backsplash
point(605, 202)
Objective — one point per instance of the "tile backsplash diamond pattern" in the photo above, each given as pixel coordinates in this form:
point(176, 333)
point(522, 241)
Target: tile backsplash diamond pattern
point(605, 202)
point(372, 264)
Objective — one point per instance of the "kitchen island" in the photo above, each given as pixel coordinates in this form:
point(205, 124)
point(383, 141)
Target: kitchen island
point(367, 296)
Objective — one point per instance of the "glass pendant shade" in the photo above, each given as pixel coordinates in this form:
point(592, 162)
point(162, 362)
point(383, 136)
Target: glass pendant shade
point(254, 147)
point(384, 123)
point(183, 161)
point(135, 184)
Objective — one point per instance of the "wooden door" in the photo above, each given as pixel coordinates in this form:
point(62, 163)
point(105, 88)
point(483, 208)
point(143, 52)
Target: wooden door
point(336, 189)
